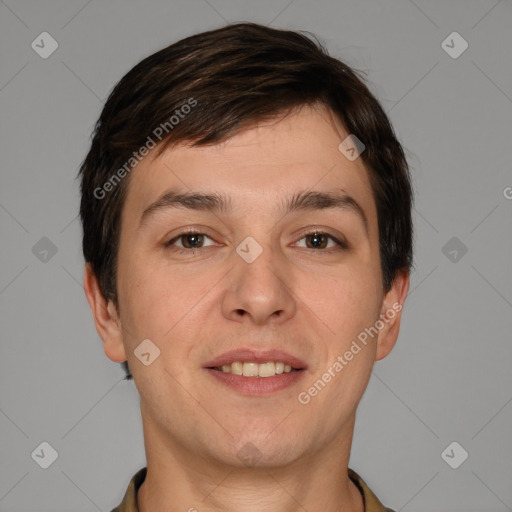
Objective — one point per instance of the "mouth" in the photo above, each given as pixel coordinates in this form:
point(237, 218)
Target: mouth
point(256, 370)
point(256, 363)
point(253, 372)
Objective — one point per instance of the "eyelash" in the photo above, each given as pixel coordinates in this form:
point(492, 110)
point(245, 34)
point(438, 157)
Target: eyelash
point(169, 245)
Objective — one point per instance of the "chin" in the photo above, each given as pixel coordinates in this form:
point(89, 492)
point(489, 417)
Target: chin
point(264, 451)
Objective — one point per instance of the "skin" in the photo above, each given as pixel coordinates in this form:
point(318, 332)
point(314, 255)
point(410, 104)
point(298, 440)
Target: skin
point(194, 307)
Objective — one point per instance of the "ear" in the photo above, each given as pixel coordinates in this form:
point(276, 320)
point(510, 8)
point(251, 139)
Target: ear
point(391, 314)
point(105, 316)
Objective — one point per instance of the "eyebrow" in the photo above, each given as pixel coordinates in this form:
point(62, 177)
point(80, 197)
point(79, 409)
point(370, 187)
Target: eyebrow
point(219, 203)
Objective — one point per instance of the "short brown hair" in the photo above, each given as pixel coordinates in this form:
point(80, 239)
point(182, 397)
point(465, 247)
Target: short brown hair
point(234, 77)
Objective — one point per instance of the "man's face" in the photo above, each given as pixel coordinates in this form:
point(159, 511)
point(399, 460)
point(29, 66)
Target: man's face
point(303, 295)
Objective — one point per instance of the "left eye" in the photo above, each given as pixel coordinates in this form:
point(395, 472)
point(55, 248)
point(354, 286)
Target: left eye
point(321, 240)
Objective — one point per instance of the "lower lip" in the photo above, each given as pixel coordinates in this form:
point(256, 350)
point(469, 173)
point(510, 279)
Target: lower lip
point(251, 386)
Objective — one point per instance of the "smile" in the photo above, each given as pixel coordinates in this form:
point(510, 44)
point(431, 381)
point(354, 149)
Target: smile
point(253, 369)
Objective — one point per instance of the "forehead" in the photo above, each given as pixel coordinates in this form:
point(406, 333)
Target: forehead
point(257, 166)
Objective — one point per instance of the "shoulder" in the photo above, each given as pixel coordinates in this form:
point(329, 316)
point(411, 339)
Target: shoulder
point(371, 502)
point(129, 503)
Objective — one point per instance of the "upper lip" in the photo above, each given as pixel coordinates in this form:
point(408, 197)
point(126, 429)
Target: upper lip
point(257, 356)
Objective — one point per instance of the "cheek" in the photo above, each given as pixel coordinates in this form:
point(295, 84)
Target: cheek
point(162, 300)
point(348, 304)
point(348, 298)
point(144, 298)
point(349, 307)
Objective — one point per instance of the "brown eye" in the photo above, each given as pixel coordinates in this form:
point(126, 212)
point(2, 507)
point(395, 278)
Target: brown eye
point(189, 240)
point(192, 240)
point(318, 240)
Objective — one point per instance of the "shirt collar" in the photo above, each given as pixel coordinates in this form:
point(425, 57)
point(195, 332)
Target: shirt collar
point(129, 503)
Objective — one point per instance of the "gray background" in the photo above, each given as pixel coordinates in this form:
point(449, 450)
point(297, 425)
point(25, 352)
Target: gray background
point(449, 377)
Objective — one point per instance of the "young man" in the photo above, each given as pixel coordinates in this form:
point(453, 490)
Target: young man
point(247, 235)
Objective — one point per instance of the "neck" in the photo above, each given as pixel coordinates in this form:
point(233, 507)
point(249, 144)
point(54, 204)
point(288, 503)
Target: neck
point(186, 480)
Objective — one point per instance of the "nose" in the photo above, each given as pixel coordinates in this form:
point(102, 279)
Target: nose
point(260, 291)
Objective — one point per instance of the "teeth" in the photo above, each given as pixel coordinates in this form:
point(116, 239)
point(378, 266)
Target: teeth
point(248, 369)
point(236, 368)
point(267, 370)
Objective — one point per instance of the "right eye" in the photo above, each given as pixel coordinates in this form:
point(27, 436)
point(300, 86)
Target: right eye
point(189, 240)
